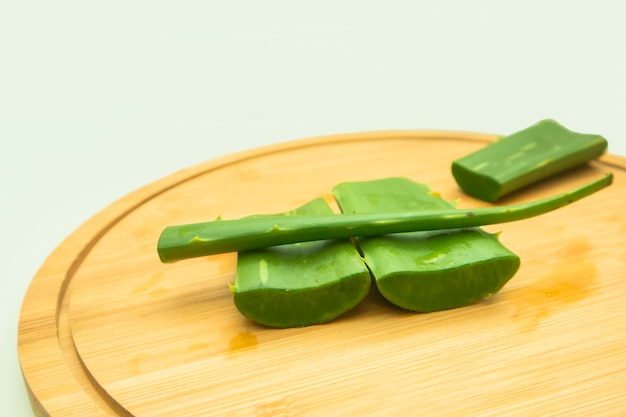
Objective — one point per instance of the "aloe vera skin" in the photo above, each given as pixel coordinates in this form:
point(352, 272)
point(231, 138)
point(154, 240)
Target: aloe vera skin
point(300, 284)
point(426, 271)
point(185, 241)
point(523, 158)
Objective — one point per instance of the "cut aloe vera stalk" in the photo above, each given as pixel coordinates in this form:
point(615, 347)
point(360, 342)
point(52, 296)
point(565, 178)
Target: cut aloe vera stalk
point(428, 270)
point(300, 284)
point(220, 236)
point(523, 158)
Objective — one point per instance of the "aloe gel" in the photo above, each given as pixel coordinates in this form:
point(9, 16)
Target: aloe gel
point(426, 271)
point(300, 284)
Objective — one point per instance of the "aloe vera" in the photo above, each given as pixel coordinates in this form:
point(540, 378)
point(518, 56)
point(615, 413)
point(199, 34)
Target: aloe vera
point(220, 236)
point(426, 271)
point(300, 284)
point(525, 157)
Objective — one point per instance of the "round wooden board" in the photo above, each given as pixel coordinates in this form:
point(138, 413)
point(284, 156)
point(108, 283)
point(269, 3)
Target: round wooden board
point(107, 330)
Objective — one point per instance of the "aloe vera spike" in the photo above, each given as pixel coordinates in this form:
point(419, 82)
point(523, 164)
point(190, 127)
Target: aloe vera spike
point(525, 157)
point(222, 236)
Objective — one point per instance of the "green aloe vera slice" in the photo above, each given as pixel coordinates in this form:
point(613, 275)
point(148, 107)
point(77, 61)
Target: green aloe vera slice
point(300, 284)
point(523, 158)
point(427, 270)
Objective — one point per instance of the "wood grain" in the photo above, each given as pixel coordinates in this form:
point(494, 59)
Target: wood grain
point(107, 330)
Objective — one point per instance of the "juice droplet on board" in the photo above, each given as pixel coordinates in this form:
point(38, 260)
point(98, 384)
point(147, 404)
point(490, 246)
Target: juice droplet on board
point(242, 341)
point(567, 283)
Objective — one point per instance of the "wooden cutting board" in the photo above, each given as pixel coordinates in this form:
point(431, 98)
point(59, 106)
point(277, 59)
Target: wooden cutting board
point(107, 330)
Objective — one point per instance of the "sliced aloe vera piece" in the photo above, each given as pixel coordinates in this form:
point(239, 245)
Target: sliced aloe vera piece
point(525, 157)
point(428, 270)
point(300, 284)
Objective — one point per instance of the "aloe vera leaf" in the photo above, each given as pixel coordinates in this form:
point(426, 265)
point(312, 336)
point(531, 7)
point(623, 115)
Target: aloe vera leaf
point(525, 157)
point(300, 284)
point(426, 271)
point(221, 236)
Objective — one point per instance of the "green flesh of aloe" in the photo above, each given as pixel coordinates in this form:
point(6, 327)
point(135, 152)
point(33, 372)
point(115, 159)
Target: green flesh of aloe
point(523, 158)
point(426, 271)
point(300, 284)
